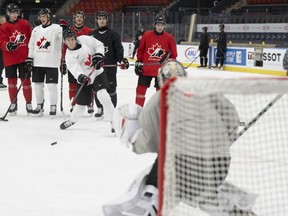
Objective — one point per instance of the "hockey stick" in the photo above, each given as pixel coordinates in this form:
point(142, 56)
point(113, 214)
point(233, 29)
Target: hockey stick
point(81, 87)
point(256, 118)
point(160, 62)
point(61, 96)
point(3, 118)
point(192, 62)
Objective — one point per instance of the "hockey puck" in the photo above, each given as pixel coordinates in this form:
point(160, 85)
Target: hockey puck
point(53, 143)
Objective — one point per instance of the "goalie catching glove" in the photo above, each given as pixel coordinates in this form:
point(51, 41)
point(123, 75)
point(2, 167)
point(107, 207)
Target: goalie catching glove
point(98, 61)
point(124, 64)
point(126, 123)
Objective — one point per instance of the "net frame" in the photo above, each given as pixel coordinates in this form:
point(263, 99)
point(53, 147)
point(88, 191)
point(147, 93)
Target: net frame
point(258, 84)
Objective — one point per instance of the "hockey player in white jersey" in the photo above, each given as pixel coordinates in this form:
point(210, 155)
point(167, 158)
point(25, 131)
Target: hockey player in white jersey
point(84, 59)
point(45, 48)
point(140, 133)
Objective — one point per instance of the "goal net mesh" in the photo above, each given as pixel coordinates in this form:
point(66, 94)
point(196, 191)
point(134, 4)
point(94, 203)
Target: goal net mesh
point(224, 147)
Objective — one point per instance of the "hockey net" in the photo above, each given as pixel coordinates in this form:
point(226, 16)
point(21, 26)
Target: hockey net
point(224, 147)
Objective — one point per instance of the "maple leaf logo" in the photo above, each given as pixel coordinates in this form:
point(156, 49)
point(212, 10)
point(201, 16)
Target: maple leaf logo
point(156, 51)
point(17, 37)
point(88, 62)
point(43, 43)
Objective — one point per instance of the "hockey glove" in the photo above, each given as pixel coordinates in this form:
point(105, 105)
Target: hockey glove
point(64, 24)
point(63, 67)
point(124, 64)
point(11, 46)
point(83, 79)
point(29, 65)
point(98, 61)
point(138, 68)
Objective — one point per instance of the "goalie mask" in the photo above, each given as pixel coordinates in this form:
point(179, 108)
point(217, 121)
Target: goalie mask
point(171, 68)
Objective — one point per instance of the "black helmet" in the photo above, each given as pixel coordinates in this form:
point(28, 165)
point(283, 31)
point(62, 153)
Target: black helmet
point(69, 33)
point(160, 19)
point(102, 14)
point(222, 26)
point(12, 8)
point(46, 11)
point(79, 12)
point(205, 28)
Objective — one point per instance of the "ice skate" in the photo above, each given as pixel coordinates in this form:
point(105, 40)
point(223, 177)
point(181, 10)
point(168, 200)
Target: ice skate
point(99, 114)
point(39, 110)
point(90, 109)
point(53, 110)
point(66, 125)
point(200, 66)
point(13, 109)
point(71, 109)
point(130, 198)
point(29, 108)
point(2, 86)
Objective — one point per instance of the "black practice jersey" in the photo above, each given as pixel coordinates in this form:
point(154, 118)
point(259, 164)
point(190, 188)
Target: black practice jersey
point(113, 47)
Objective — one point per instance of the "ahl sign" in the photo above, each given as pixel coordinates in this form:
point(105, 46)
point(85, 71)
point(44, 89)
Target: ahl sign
point(191, 52)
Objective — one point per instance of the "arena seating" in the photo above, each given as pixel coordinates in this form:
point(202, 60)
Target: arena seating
point(91, 6)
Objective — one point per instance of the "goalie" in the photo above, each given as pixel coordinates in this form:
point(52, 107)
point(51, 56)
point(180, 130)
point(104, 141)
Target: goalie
point(140, 132)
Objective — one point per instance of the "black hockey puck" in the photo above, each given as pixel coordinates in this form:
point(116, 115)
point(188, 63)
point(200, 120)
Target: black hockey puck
point(53, 143)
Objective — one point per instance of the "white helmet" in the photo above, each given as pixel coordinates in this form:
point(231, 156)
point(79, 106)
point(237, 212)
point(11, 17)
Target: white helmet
point(171, 68)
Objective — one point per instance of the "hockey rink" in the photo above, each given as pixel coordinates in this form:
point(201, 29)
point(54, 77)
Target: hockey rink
point(86, 168)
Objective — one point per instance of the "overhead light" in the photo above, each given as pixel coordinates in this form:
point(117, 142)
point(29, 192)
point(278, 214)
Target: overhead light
point(37, 1)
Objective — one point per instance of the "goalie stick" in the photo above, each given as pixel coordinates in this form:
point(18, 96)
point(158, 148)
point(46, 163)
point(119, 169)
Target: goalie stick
point(160, 62)
point(256, 118)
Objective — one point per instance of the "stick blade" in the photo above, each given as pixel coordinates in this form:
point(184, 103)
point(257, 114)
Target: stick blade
point(3, 119)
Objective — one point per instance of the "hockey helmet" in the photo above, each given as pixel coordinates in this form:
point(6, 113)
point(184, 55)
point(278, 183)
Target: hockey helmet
point(69, 33)
point(102, 14)
point(172, 68)
point(221, 26)
point(12, 8)
point(46, 11)
point(205, 28)
point(160, 19)
point(79, 12)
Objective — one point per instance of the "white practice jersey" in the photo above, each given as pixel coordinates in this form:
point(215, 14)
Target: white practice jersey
point(79, 61)
point(45, 46)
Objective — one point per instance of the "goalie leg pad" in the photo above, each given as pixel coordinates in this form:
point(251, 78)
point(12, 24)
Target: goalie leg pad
point(129, 198)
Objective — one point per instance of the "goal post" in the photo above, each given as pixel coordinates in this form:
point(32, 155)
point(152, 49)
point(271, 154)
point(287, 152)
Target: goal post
point(223, 147)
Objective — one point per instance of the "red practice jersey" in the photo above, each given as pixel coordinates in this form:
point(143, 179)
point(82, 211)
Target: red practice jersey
point(20, 33)
point(152, 48)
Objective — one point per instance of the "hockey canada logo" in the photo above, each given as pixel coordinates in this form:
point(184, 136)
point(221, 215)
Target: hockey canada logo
point(156, 51)
point(43, 43)
point(88, 61)
point(17, 37)
point(106, 49)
